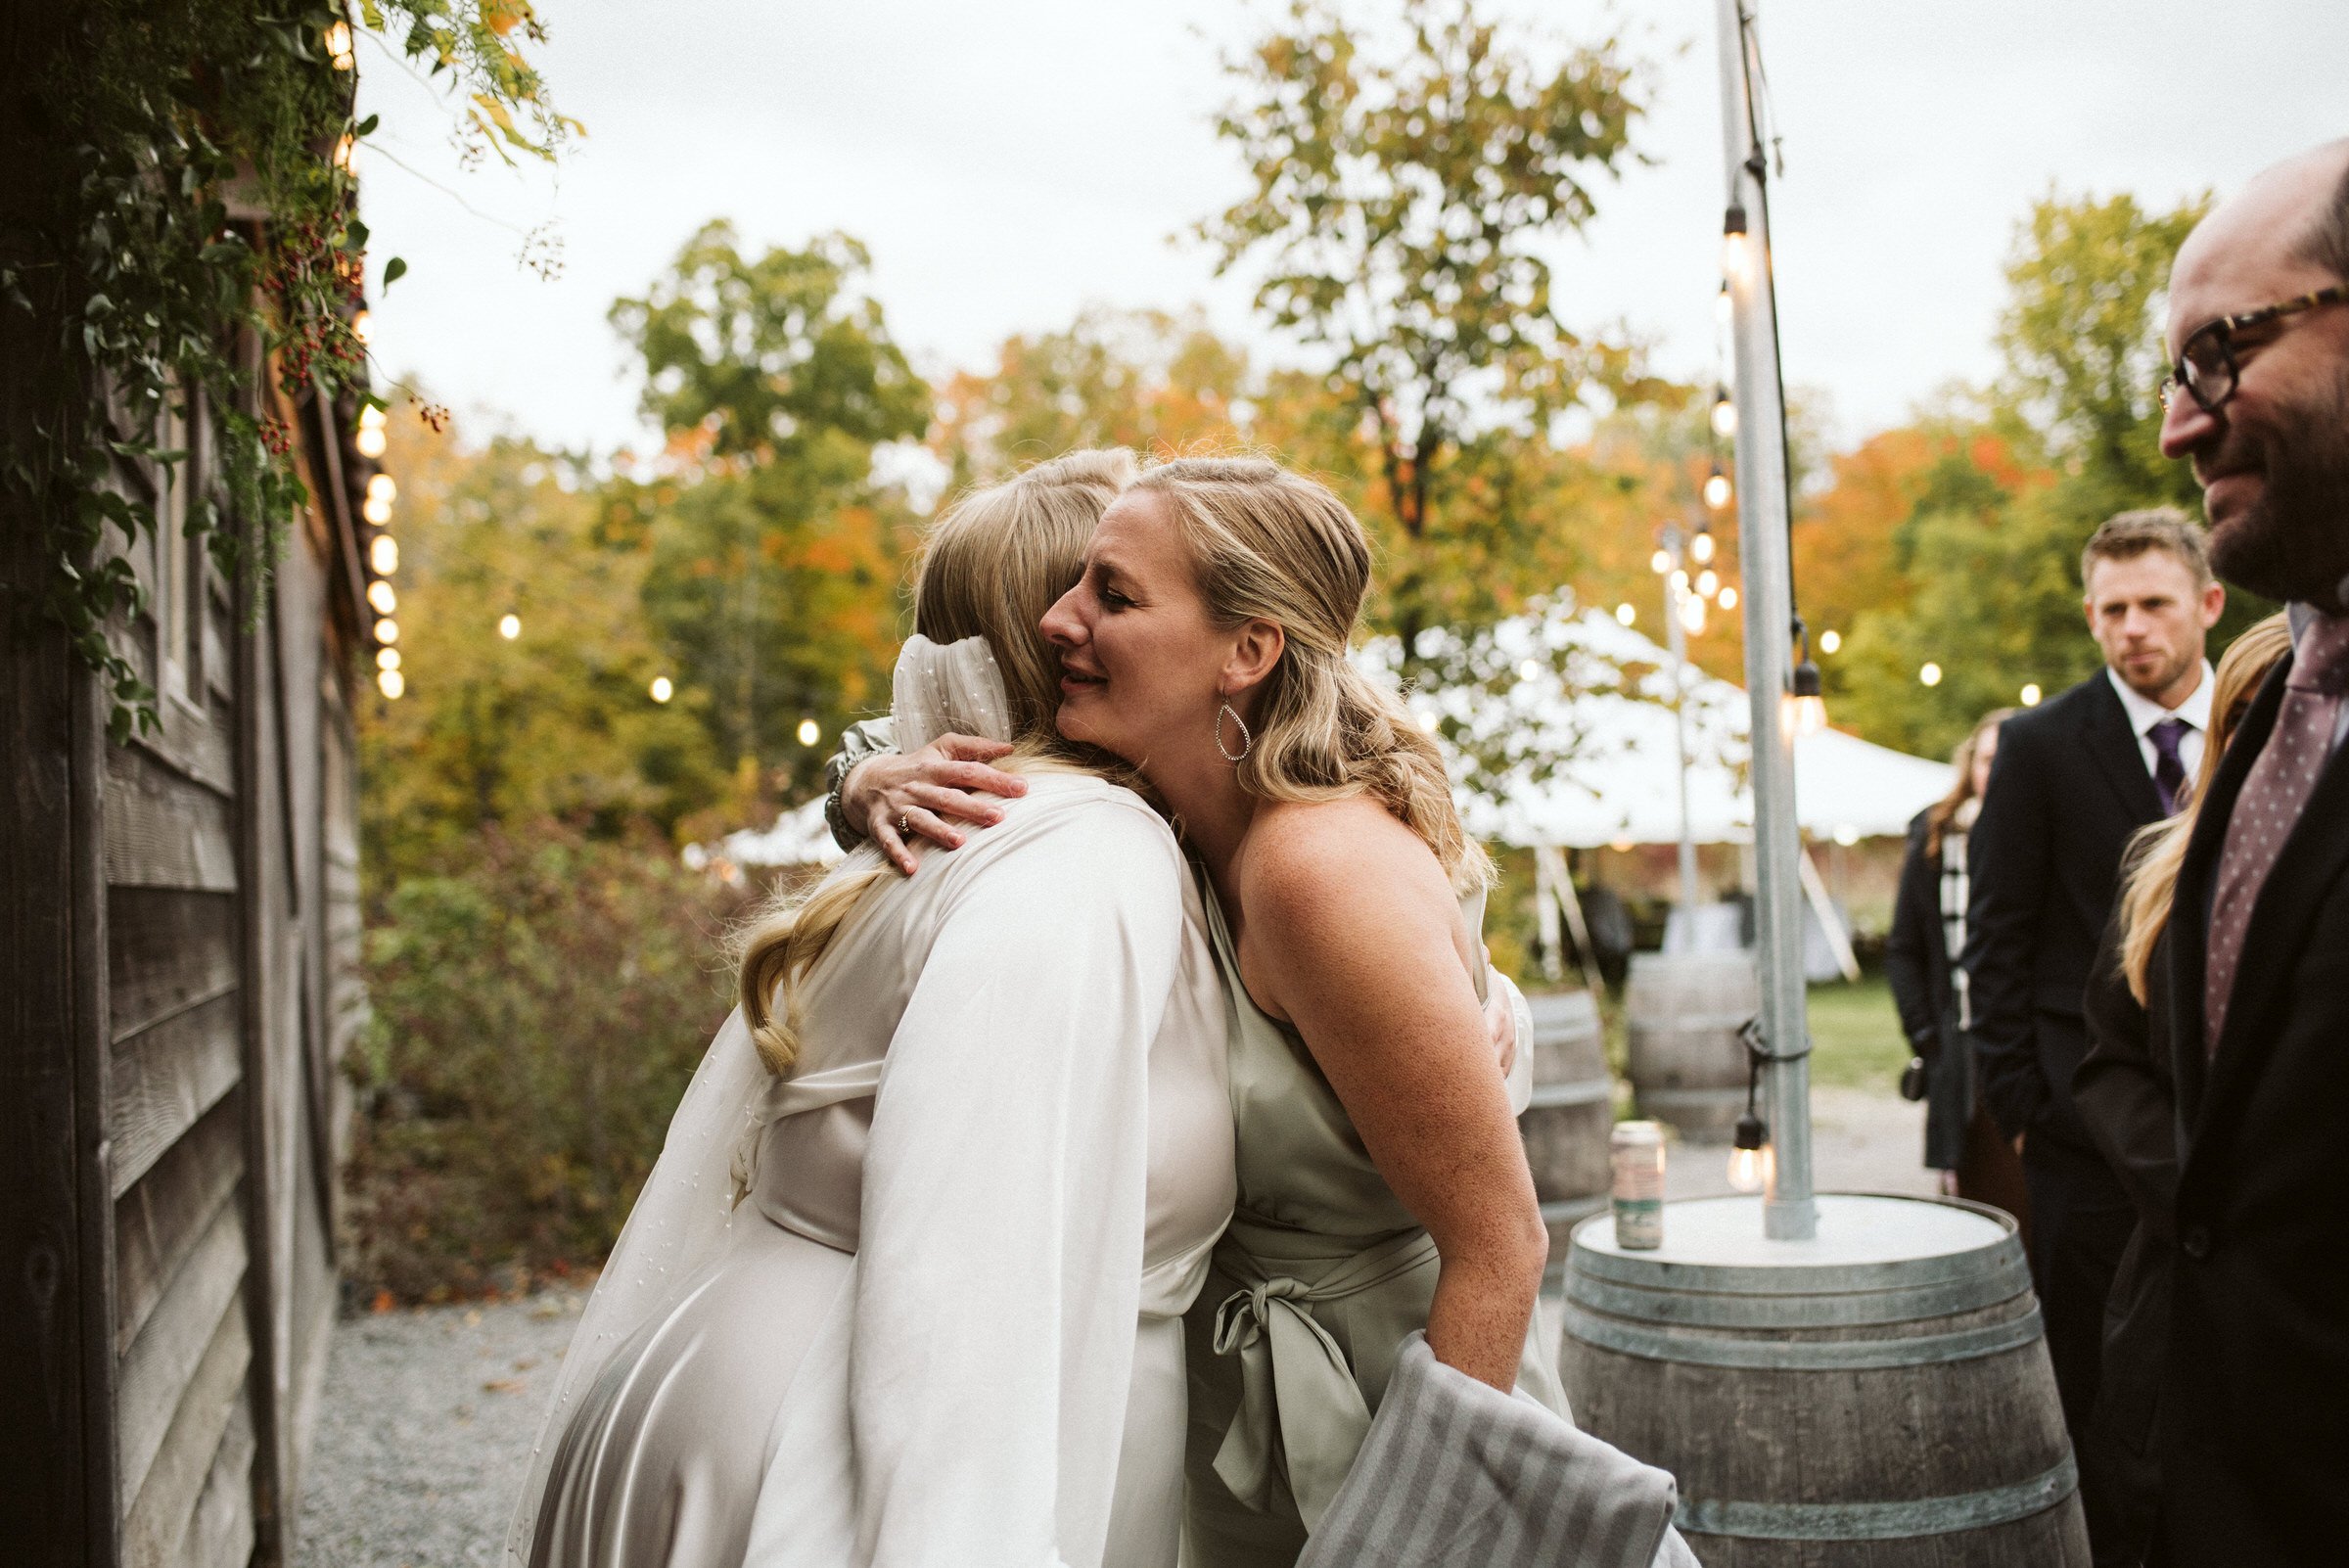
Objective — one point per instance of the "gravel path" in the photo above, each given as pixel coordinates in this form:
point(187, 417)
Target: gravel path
point(423, 1431)
point(429, 1414)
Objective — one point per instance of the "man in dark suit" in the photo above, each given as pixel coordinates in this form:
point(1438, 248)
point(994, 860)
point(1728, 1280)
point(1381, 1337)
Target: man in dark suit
point(2253, 1432)
point(2073, 782)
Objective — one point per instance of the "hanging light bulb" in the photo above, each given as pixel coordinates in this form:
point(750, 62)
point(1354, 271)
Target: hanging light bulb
point(1701, 548)
point(1733, 243)
point(370, 439)
point(1930, 675)
point(390, 682)
point(363, 327)
point(383, 487)
point(1660, 562)
point(810, 733)
point(1718, 490)
point(1528, 668)
point(387, 631)
point(1751, 1162)
point(377, 509)
point(663, 691)
point(384, 555)
point(1830, 641)
point(1729, 597)
point(1725, 304)
point(1805, 711)
point(337, 45)
point(509, 625)
point(1679, 579)
point(2031, 694)
point(1693, 615)
point(1708, 582)
point(1626, 614)
point(387, 658)
point(1725, 414)
point(380, 595)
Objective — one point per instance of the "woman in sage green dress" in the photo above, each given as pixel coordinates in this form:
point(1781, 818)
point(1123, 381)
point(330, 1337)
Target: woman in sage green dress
point(1382, 1187)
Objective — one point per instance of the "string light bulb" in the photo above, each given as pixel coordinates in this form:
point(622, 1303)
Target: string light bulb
point(363, 327)
point(1733, 242)
point(1751, 1162)
point(1930, 675)
point(1626, 614)
point(1708, 582)
point(1729, 597)
point(663, 691)
point(809, 732)
point(1830, 641)
point(390, 682)
point(509, 625)
point(1724, 415)
point(1718, 490)
point(387, 658)
point(1725, 304)
point(2031, 694)
point(1693, 615)
point(377, 509)
point(370, 439)
point(383, 554)
point(1660, 562)
point(380, 595)
point(1701, 548)
point(382, 487)
point(387, 631)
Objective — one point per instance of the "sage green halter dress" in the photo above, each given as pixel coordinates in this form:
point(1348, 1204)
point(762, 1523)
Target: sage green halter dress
point(1320, 1275)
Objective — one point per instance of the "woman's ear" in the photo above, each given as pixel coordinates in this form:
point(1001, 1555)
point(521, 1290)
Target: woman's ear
point(1254, 650)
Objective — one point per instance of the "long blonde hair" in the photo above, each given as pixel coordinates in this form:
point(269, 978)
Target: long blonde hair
point(2159, 850)
point(990, 567)
point(1942, 813)
point(1269, 544)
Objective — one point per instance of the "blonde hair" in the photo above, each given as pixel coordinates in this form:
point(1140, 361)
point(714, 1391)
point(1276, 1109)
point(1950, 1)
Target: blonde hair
point(1269, 544)
point(990, 567)
point(1942, 813)
point(2159, 850)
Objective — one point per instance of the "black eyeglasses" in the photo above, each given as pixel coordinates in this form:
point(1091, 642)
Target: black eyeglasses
point(2206, 367)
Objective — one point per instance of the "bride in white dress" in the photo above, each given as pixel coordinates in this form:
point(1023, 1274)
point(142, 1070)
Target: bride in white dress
point(983, 1149)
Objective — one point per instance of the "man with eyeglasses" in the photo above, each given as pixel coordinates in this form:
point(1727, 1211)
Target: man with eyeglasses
point(2253, 1431)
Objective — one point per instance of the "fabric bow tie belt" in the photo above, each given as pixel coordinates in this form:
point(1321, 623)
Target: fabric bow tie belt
point(1299, 1401)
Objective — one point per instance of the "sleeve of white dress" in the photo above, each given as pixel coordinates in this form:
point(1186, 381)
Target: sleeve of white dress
point(999, 1268)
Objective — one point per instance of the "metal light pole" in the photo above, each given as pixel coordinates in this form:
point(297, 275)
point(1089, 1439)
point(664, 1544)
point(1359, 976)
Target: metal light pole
point(1676, 590)
point(1788, 1211)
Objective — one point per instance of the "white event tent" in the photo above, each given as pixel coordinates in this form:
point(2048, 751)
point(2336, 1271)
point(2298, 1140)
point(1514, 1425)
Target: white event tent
point(1594, 762)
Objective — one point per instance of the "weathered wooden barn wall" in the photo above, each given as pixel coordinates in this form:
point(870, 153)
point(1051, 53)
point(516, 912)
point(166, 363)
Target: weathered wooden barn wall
point(181, 914)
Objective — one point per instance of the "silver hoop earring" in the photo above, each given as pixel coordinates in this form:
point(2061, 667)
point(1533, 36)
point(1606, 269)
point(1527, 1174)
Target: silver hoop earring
point(1247, 741)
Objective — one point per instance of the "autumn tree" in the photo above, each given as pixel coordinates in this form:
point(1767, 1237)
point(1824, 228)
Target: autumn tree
point(557, 721)
point(775, 551)
point(1402, 182)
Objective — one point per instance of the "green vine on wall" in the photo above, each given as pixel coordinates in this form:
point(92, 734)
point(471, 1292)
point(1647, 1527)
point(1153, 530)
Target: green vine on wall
point(214, 210)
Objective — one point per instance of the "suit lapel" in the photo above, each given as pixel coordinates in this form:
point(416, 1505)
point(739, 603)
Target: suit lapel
point(2113, 744)
point(2189, 900)
point(2281, 920)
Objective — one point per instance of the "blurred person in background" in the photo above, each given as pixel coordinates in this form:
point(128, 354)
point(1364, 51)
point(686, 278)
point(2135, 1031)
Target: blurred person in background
point(2253, 1446)
point(2126, 1098)
point(2075, 779)
point(1920, 961)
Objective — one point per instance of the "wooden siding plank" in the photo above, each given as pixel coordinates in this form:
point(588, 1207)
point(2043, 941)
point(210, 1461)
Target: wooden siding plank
point(221, 1532)
point(163, 831)
point(166, 1078)
point(159, 1221)
point(158, 1520)
point(155, 1373)
point(166, 949)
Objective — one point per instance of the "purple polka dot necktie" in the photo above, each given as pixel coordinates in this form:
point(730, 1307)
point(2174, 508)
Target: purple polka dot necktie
point(2169, 769)
point(2275, 793)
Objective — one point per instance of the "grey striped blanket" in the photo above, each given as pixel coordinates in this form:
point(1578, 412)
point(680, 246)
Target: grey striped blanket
point(1457, 1473)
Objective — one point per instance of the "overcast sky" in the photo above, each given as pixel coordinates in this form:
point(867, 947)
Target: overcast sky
point(1010, 161)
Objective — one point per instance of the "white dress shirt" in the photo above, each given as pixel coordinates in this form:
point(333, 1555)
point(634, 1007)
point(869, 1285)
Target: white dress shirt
point(2145, 712)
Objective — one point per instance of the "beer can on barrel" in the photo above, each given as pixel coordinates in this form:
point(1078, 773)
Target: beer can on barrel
point(1637, 1151)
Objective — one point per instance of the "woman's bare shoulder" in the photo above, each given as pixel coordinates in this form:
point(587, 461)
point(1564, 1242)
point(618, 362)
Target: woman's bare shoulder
point(1318, 859)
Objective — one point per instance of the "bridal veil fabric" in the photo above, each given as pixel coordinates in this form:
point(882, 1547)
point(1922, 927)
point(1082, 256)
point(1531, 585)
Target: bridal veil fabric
point(943, 1322)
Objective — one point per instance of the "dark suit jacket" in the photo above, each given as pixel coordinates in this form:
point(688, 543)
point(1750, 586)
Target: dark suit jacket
point(2126, 1099)
point(2068, 790)
point(1916, 964)
point(2254, 1430)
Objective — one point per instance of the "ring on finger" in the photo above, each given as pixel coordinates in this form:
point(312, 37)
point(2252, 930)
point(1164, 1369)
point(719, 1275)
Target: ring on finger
point(904, 825)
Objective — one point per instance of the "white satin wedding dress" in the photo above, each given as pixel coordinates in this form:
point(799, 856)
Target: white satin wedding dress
point(944, 1327)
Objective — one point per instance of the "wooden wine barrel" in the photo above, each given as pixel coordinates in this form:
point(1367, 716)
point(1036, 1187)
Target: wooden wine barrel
point(1878, 1396)
point(1687, 1063)
point(1565, 1126)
